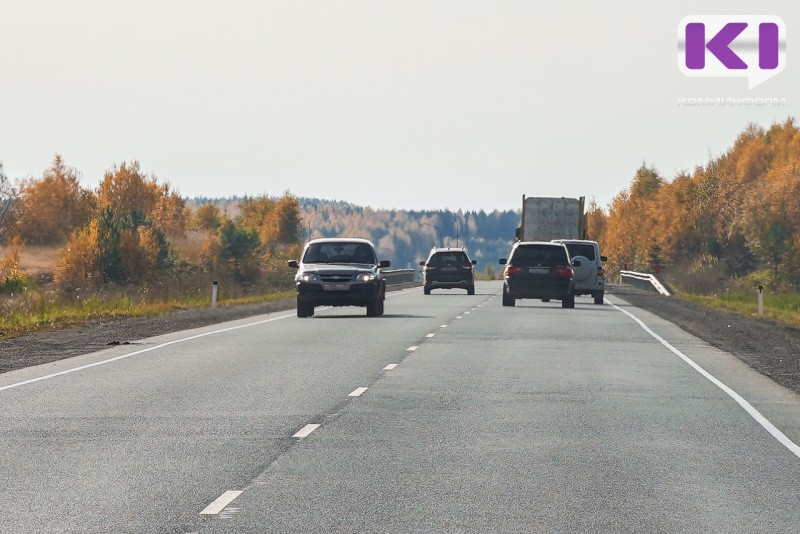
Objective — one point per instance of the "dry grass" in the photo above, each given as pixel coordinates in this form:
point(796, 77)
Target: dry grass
point(34, 310)
point(34, 260)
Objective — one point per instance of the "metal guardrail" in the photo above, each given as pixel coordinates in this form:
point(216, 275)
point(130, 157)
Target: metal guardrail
point(398, 276)
point(645, 277)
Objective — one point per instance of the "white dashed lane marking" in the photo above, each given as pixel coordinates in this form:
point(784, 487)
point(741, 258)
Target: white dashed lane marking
point(412, 348)
point(220, 503)
point(390, 367)
point(358, 392)
point(306, 431)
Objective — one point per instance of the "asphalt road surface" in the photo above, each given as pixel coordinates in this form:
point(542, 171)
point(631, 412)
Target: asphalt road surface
point(449, 414)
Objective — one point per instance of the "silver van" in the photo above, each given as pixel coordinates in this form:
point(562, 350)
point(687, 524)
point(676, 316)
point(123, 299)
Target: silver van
point(589, 276)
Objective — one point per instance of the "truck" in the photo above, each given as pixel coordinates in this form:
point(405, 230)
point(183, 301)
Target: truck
point(548, 218)
point(563, 220)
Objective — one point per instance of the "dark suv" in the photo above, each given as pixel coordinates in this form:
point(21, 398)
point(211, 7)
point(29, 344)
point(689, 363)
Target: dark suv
point(339, 272)
point(448, 268)
point(539, 270)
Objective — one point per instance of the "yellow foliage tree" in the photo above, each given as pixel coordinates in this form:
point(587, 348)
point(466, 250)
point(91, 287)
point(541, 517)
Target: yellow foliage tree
point(126, 190)
point(51, 208)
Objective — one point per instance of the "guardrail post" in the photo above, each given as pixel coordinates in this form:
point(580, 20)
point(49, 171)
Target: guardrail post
point(214, 290)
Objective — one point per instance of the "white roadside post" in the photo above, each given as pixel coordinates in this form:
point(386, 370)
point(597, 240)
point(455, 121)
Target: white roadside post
point(761, 300)
point(214, 290)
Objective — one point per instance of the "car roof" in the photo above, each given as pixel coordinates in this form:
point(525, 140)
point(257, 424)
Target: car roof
point(340, 240)
point(448, 249)
point(549, 243)
point(576, 241)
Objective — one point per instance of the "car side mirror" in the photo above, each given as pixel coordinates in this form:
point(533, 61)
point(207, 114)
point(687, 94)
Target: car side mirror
point(422, 264)
point(603, 258)
point(502, 261)
point(293, 264)
point(576, 263)
point(474, 262)
point(384, 263)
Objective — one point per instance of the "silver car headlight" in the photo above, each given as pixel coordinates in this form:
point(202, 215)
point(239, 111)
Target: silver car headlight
point(307, 277)
point(365, 277)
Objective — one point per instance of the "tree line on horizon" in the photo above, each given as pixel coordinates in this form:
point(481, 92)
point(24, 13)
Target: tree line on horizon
point(736, 218)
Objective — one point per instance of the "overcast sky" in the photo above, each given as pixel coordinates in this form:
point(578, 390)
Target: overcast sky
point(418, 104)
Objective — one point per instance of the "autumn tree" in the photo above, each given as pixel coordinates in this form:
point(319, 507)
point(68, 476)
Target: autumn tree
point(115, 248)
point(287, 221)
point(125, 189)
point(8, 199)
point(256, 216)
point(12, 278)
point(277, 222)
point(237, 245)
point(596, 223)
point(207, 217)
point(126, 239)
point(53, 207)
point(631, 222)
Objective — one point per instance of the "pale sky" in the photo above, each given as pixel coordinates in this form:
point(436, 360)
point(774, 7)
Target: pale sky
point(410, 104)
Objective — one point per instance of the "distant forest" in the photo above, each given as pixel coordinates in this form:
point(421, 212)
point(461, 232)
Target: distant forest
point(404, 237)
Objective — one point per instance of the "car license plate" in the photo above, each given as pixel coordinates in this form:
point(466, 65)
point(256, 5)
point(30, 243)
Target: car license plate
point(449, 269)
point(539, 270)
point(336, 287)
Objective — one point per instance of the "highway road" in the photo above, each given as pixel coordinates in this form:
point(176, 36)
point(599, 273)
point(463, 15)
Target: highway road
point(449, 414)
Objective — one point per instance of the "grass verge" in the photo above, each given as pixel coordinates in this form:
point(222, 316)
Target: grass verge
point(41, 314)
point(784, 307)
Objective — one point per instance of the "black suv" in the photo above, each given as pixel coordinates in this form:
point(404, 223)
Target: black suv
point(339, 272)
point(448, 268)
point(539, 270)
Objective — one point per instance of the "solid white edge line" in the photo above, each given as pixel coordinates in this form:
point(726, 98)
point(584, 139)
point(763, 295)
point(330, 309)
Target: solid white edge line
point(220, 503)
point(749, 408)
point(306, 430)
point(390, 367)
point(142, 351)
point(358, 392)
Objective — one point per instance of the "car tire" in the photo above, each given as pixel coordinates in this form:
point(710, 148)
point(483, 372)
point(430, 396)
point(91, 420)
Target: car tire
point(471, 290)
point(568, 302)
point(381, 302)
point(426, 290)
point(374, 307)
point(304, 309)
point(598, 298)
point(508, 300)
